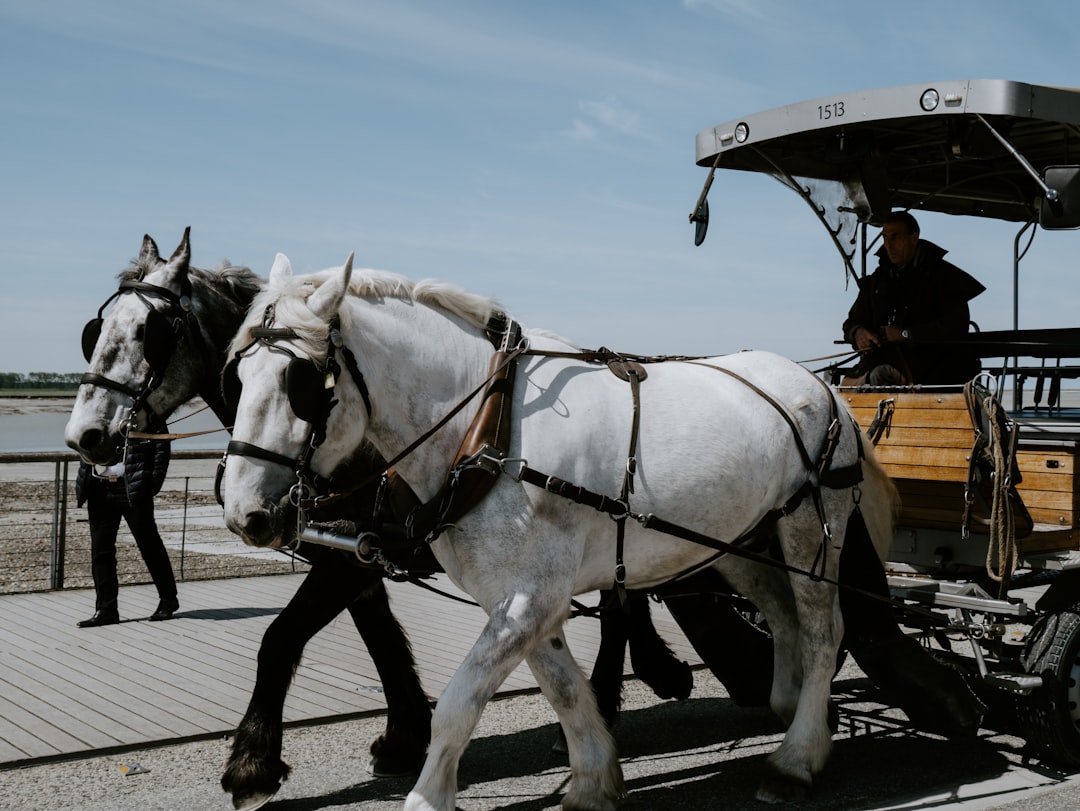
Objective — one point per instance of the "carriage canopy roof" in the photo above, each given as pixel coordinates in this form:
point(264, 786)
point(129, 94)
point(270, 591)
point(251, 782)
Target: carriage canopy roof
point(972, 147)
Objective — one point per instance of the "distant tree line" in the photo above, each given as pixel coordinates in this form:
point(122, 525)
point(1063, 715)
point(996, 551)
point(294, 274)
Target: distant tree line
point(40, 380)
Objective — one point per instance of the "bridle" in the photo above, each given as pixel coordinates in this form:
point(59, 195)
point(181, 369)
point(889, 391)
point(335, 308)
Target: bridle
point(310, 389)
point(304, 376)
point(162, 333)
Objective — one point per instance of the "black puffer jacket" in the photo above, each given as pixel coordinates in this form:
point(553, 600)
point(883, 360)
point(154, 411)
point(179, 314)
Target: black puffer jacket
point(930, 298)
point(144, 472)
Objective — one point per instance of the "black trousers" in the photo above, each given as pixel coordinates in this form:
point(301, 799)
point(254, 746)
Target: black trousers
point(104, 511)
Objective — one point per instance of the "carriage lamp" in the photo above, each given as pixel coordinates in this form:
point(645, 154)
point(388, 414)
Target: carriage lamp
point(742, 132)
point(929, 100)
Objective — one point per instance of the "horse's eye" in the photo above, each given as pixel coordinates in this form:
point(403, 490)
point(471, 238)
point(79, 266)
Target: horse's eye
point(140, 332)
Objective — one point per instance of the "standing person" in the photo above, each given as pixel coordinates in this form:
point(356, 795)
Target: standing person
point(127, 491)
point(913, 298)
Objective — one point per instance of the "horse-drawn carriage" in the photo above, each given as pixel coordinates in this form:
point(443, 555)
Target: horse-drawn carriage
point(986, 468)
point(597, 475)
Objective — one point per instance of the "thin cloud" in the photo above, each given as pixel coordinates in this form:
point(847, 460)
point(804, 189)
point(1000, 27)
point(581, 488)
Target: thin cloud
point(754, 10)
point(580, 131)
point(609, 115)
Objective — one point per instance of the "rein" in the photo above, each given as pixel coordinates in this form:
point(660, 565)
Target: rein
point(171, 436)
point(503, 364)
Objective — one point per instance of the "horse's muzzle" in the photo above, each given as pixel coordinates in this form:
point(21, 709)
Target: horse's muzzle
point(97, 447)
point(262, 528)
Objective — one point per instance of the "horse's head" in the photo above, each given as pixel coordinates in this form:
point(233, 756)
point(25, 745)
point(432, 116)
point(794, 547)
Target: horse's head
point(281, 378)
point(141, 355)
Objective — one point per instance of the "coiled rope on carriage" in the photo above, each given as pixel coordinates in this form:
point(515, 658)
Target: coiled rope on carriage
point(1001, 552)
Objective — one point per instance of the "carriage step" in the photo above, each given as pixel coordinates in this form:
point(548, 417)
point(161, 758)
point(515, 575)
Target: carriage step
point(1020, 684)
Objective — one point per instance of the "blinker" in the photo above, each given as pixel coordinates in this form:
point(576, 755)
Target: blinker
point(159, 340)
point(90, 334)
point(307, 387)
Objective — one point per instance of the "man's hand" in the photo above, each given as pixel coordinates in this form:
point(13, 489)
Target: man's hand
point(867, 339)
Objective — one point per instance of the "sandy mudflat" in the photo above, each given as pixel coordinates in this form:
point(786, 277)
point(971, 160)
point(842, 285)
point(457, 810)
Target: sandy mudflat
point(12, 406)
point(186, 510)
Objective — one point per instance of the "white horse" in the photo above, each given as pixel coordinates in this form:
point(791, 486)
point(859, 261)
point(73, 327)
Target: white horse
point(712, 455)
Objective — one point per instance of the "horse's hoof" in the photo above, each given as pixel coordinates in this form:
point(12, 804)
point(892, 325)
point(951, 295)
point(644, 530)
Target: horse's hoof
point(249, 802)
point(777, 789)
point(382, 766)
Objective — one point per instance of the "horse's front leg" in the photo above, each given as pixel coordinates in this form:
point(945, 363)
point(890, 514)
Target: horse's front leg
point(596, 776)
point(254, 767)
point(401, 748)
point(512, 630)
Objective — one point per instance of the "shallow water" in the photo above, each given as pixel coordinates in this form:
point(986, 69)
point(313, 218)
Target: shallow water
point(43, 430)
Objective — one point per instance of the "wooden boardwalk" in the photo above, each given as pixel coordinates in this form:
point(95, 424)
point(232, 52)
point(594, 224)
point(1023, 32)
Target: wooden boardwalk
point(68, 692)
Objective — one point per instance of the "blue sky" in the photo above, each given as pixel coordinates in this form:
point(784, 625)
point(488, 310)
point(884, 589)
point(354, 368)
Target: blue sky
point(539, 152)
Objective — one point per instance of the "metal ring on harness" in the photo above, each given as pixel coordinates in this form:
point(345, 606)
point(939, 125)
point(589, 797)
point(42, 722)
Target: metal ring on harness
point(518, 460)
point(300, 493)
point(618, 516)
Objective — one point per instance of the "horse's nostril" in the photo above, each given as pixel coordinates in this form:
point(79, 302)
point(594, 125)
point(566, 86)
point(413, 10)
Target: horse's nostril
point(90, 439)
point(258, 526)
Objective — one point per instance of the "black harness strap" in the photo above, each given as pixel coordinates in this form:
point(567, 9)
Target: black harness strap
point(357, 376)
point(633, 373)
point(92, 379)
point(331, 498)
point(821, 475)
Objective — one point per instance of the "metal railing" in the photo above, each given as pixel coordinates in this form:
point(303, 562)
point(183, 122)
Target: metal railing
point(45, 538)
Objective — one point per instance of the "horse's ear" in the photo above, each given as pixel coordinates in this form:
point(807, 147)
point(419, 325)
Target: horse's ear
point(326, 301)
point(149, 254)
point(281, 271)
point(182, 255)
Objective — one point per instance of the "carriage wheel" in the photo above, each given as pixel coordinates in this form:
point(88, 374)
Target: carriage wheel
point(1050, 716)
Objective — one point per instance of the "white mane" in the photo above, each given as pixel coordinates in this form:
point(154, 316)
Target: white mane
point(288, 299)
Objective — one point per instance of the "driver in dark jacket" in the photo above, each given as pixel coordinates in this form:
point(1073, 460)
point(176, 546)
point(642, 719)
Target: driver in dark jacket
point(126, 491)
point(913, 299)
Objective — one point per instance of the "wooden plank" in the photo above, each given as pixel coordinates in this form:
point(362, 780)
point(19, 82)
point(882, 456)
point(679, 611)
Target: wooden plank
point(10, 753)
point(1048, 482)
point(146, 694)
point(1061, 463)
point(926, 473)
point(51, 723)
point(1048, 500)
point(928, 438)
point(913, 410)
point(949, 459)
point(111, 691)
point(206, 660)
point(138, 683)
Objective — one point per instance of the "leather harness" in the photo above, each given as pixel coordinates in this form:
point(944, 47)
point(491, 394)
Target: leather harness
point(483, 456)
point(401, 523)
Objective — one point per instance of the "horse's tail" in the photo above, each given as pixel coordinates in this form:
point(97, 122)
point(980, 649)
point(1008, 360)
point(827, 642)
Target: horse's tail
point(879, 501)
